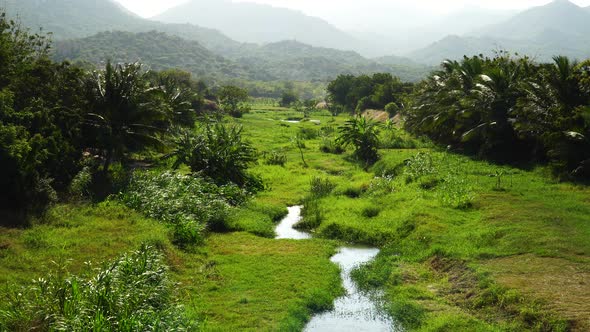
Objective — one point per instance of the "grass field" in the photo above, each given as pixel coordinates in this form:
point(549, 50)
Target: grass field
point(467, 245)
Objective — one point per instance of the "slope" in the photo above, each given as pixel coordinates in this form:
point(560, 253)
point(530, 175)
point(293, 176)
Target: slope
point(256, 23)
point(157, 51)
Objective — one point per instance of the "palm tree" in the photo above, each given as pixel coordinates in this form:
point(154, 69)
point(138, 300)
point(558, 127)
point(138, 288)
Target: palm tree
point(363, 134)
point(127, 113)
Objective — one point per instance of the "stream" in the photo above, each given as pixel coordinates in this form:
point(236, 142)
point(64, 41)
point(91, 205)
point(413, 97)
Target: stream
point(354, 311)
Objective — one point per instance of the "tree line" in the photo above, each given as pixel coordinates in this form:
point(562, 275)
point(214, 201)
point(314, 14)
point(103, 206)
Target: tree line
point(505, 108)
point(58, 120)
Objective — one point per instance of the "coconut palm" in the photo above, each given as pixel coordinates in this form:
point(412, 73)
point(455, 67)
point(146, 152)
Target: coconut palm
point(363, 134)
point(127, 113)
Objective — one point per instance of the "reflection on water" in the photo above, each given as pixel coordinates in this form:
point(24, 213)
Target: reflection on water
point(285, 229)
point(355, 311)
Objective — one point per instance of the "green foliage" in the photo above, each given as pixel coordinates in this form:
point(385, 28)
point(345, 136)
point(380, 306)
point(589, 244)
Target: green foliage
point(41, 106)
point(219, 152)
point(233, 100)
point(363, 134)
point(275, 158)
point(188, 203)
point(320, 187)
point(133, 292)
point(456, 192)
point(365, 92)
point(508, 109)
point(288, 98)
point(418, 166)
point(126, 112)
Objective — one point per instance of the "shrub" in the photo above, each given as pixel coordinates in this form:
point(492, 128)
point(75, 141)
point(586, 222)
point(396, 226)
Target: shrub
point(392, 109)
point(219, 152)
point(418, 166)
point(320, 187)
point(80, 186)
point(456, 192)
point(188, 203)
point(381, 186)
point(132, 293)
point(275, 158)
point(330, 145)
point(311, 214)
point(371, 211)
point(363, 134)
point(308, 133)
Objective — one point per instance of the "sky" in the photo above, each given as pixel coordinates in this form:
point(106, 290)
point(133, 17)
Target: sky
point(335, 10)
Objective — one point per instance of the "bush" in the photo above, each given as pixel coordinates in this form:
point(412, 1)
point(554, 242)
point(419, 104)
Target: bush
point(456, 192)
point(330, 145)
point(392, 109)
point(308, 133)
point(381, 186)
point(371, 211)
point(320, 187)
point(132, 293)
point(363, 134)
point(311, 214)
point(188, 203)
point(275, 158)
point(219, 152)
point(419, 166)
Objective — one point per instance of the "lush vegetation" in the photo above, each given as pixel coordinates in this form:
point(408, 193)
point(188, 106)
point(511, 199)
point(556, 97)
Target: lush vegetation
point(379, 91)
point(509, 109)
point(132, 293)
point(98, 163)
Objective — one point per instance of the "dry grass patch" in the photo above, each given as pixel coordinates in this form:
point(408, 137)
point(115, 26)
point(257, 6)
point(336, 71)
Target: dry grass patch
point(562, 284)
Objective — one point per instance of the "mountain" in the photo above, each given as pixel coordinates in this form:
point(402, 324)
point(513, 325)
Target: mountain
point(560, 15)
point(292, 60)
point(69, 19)
point(257, 23)
point(559, 27)
point(284, 61)
point(92, 31)
point(156, 50)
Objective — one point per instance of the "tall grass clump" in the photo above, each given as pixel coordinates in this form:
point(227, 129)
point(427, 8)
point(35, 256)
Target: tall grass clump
point(275, 158)
point(418, 166)
point(311, 213)
point(133, 293)
point(321, 187)
point(190, 204)
point(456, 192)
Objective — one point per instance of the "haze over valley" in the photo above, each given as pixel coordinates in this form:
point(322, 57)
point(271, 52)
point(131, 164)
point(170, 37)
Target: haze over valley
point(258, 41)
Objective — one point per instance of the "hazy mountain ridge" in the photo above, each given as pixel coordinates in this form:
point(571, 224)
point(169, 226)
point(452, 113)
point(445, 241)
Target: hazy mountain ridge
point(157, 50)
point(559, 27)
point(258, 23)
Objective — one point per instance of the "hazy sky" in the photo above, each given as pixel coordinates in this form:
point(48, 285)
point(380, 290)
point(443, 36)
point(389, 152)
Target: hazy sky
point(333, 9)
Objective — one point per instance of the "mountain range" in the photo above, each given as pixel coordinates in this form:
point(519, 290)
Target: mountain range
point(257, 23)
point(220, 39)
point(560, 27)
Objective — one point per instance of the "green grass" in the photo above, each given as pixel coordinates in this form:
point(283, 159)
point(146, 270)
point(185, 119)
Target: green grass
point(470, 211)
point(234, 281)
point(454, 237)
point(256, 284)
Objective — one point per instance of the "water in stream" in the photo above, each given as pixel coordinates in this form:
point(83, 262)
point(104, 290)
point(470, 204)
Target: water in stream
point(355, 311)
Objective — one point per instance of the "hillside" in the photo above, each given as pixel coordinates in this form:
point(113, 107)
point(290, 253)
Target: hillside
point(560, 15)
point(156, 50)
point(287, 60)
point(256, 23)
point(559, 27)
point(71, 18)
point(291, 60)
